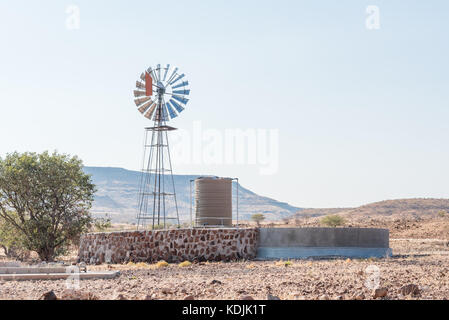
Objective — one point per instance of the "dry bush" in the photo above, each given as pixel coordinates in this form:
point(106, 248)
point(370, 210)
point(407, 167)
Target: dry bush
point(282, 263)
point(185, 264)
point(142, 265)
point(161, 264)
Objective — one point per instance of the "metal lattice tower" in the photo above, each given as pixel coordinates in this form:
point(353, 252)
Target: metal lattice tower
point(157, 194)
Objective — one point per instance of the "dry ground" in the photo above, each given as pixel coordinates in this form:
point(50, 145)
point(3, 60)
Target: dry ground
point(421, 257)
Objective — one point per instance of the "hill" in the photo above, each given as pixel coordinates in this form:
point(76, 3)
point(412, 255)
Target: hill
point(419, 207)
point(422, 218)
point(118, 189)
point(400, 208)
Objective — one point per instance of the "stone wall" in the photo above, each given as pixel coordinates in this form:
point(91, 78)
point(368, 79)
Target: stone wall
point(170, 245)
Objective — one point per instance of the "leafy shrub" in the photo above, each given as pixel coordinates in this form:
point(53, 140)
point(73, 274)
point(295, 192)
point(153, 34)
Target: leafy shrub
point(102, 224)
point(332, 221)
point(258, 217)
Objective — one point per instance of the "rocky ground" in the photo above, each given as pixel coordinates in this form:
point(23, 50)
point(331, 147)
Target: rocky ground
point(419, 269)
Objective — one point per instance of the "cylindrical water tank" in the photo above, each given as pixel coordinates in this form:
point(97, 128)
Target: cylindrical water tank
point(213, 201)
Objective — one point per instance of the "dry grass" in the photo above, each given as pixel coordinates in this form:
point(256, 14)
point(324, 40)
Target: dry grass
point(282, 263)
point(161, 264)
point(185, 264)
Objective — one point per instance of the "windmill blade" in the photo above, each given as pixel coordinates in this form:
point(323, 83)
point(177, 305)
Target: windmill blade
point(177, 106)
point(178, 78)
point(150, 112)
point(152, 73)
point(148, 84)
point(138, 93)
point(150, 70)
point(172, 75)
point(184, 92)
point(159, 71)
point(180, 99)
point(142, 76)
point(184, 83)
point(140, 85)
point(139, 101)
point(145, 106)
point(171, 111)
point(166, 71)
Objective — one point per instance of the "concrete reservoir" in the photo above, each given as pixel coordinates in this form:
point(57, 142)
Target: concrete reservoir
point(297, 243)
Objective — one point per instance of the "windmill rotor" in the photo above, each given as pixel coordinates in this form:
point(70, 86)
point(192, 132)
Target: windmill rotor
point(163, 86)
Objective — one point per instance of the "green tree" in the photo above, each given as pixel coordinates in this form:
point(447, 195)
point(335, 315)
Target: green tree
point(11, 241)
point(333, 220)
point(46, 198)
point(258, 217)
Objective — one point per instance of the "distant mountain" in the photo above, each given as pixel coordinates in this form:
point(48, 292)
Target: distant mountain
point(117, 192)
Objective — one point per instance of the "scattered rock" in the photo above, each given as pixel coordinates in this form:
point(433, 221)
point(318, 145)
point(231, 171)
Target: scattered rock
point(215, 282)
point(183, 290)
point(358, 296)
point(78, 295)
point(166, 291)
point(50, 295)
point(380, 293)
point(271, 297)
point(246, 298)
point(189, 297)
point(120, 296)
point(412, 289)
point(324, 297)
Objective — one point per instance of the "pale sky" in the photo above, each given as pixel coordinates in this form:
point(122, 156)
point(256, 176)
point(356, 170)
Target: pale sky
point(362, 115)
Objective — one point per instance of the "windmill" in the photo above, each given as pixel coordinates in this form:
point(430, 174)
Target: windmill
point(160, 95)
